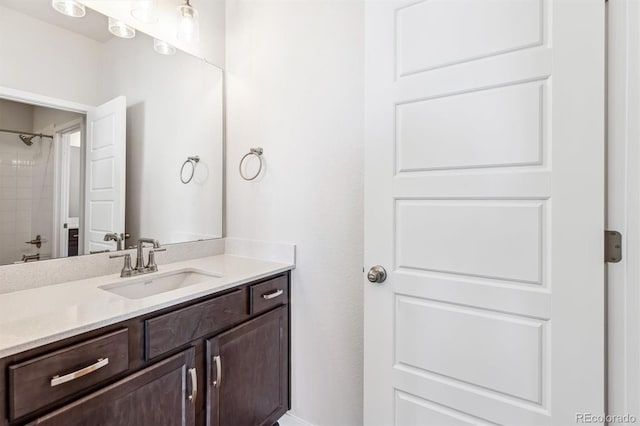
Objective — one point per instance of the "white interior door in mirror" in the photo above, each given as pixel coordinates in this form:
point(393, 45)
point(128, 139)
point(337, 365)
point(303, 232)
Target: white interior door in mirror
point(105, 174)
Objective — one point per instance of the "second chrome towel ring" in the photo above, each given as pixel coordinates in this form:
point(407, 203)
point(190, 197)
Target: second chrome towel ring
point(193, 161)
point(256, 152)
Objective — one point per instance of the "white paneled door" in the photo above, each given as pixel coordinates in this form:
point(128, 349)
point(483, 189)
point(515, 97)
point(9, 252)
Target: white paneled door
point(484, 203)
point(105, 174)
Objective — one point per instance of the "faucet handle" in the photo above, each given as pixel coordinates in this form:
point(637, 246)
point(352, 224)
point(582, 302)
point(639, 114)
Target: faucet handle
point(152, 266)
point(126, 269)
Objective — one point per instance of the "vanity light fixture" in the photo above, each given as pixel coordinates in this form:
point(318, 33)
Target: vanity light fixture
point(120, 29)
point(69, 7)
point(188, 23)
point(163, 48)
point(145, 11)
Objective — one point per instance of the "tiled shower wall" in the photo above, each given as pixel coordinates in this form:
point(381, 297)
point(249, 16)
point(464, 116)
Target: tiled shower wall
point(26, 179)
point(16, 164)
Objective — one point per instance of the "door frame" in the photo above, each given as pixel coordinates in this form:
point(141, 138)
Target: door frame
point(61, 185)
point(42, 100)
point(37, 99)
point(623, 208)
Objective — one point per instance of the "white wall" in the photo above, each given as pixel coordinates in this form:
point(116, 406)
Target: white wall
point(171, 115)
point(43, 117)
point(295, 87)
point(29, 62)
point(174, 111)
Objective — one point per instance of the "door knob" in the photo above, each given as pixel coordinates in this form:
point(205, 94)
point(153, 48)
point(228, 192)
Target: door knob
point(377, 274)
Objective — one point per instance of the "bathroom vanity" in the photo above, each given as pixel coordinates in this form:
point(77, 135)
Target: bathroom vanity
point(107, 148)
point(217, 353)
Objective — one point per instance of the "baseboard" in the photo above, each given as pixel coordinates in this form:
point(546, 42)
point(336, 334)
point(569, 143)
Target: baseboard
point(292, 420)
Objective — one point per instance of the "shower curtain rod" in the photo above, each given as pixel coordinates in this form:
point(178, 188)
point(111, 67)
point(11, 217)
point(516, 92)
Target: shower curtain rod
point(26, 133)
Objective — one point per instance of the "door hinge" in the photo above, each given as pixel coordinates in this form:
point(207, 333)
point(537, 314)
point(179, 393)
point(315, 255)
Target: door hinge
point(612, 246)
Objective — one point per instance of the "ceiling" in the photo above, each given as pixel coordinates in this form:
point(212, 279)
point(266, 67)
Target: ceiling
point(93, 25)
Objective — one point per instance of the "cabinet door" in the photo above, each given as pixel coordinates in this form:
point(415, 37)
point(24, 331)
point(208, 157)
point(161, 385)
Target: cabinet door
point(248, 372)
point(160, 395)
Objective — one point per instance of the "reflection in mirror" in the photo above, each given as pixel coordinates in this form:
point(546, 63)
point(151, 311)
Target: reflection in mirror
point(30, 163)
point(95, 130)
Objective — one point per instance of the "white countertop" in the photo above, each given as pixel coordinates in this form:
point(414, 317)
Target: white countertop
point(35, 317)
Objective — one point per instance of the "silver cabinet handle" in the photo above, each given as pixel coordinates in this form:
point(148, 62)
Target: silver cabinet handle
point(218, 380)
point(58, 380)
point(272, 295)
point(194, 385)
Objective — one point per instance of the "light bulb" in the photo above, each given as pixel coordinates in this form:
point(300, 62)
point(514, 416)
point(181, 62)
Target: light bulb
point(69, 7)
point(145, 11)
point(163, 48)
point(120, 29)
point(188, 24)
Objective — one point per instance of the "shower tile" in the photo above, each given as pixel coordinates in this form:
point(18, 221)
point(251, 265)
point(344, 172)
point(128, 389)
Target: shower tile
point(24, 181)
point(7, 149)
point(23, 194)
point(8, 230)
point(7, 168)
point(21, 237)
point(8, 181)
point(8, 193)
point(23, 206)
point(7, 251)
point(24, 170)
point(24, 152)
point(7, 216)
point(23, 223)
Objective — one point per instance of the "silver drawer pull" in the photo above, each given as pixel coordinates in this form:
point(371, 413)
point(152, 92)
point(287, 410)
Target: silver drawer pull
point(194, 385)
point(218, 381)
point(58, 380)
point(272, 295)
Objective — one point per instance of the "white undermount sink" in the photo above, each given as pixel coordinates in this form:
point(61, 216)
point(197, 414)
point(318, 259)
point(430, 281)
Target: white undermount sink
point(158, 282)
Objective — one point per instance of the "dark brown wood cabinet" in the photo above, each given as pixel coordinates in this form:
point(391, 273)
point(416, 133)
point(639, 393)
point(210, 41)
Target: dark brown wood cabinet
point(219, 360)
point(155, 396)
point(42, 380)
point(169, 331)
point(247, 372)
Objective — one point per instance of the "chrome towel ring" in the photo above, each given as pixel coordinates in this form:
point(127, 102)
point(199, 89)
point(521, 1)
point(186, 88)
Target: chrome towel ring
point(258, 153)
point(190, 160)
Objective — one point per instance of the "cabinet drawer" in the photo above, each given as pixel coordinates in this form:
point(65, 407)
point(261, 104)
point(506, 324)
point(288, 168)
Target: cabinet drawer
point(41, 381)
point(158, 395)
point(170, 331)
point(268, 294)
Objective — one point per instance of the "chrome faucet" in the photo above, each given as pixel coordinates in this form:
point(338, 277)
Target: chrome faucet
point(141, 268)
point(30, 257)
point(118, 238)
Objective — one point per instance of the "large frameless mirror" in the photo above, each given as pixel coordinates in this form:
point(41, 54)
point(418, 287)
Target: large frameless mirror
point(107, 134)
